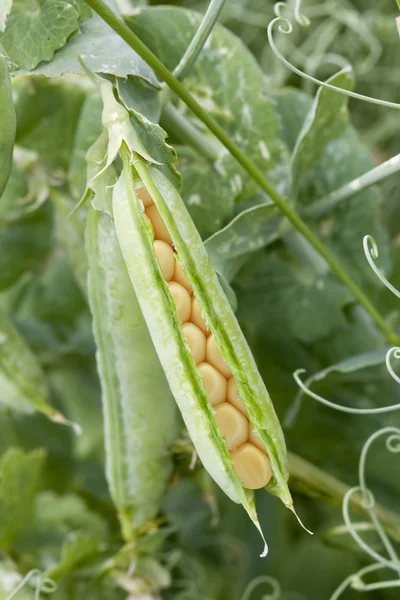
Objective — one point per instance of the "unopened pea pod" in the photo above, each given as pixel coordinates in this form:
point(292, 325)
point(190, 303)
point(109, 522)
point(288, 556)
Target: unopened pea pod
point(179, 351)
point(140, 417)
point(7, 124)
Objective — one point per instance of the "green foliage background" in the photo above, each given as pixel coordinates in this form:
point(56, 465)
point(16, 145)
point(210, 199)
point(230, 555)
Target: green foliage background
point(55, 511)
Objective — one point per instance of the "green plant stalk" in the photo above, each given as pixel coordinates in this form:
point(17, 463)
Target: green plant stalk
point(173, 120)
point(147, 55)
point(312, 481)
point(323, 206)
point(196, 45)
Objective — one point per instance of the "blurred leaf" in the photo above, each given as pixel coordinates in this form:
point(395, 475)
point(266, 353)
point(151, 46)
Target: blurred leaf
point(102, 50)
point(87, 131)
point(205, 193)
point(48, 113)
point(23, 385)
point(226, 81)
point(5, 9)
point(70, 230)
point(79, 549)
point(24, 245)
point(79, 394)
point(19, 481)
point(293, 106)
point(326, 121)
point(250, 230)
point(35, 30)
point(287, 299)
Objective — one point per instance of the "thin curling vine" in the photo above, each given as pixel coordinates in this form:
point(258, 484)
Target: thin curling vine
point(43, 584)
point(286, 27)
point(391, 561)
point(371, 252)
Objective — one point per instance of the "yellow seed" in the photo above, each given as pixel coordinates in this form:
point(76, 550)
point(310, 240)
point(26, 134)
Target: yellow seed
point(232, 424)
point(160, 230)
point(213, 382)
point(196, 317)
point(233, 396)
point(148, 222)
point(166, 258)
point(252, 466)
point(214, 357)
point(255, 439)
point(182, 300)
point(180, 276)
point(144, 196)
point(196, 340)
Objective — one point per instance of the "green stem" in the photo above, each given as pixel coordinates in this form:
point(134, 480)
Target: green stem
point(312, 481)
point(196, 45)
point(173, 120)
point(325, 205)
point(147, 55)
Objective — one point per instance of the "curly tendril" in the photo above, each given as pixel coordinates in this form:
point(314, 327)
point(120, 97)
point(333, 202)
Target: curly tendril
point(392, 561)
point(371, 252)
point(286, 27)
point(298, 15)
point(263, 579)
point(395, 352)
point(346, 409)
point(43, 584)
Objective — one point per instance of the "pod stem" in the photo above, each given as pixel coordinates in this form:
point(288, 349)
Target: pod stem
point(151, 59)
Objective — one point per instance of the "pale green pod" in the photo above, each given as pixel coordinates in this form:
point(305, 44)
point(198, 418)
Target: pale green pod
point(176, 359)
point(140, 417)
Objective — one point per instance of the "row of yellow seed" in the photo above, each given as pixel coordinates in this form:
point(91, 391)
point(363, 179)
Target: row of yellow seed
point(247, 451)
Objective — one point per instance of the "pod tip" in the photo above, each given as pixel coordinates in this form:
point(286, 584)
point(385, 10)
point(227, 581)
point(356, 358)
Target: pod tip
point(299, 520)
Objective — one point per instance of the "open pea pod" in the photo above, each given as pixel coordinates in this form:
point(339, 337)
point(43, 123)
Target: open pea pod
point(140, 417)
point(175, 353)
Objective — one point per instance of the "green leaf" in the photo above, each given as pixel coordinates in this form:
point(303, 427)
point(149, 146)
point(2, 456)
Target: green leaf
point(227, 82)
point(8, 123)
point(36, 29)
point(288, 299)
point(205, 192)
point(23, 385)
point(136, 93)
point(87, 131)
point(24, 245)
point(19, 481)
point(251, 230)
point(76, 551)
point(326, 121)
point(102, 50)
point(292, 106)
point(48, 113)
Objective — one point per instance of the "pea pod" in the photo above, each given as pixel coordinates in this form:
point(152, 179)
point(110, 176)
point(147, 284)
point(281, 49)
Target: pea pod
point(8, 124)
point(175, 353)
point(139, 412)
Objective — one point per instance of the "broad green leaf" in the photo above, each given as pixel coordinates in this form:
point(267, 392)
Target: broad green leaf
point(37, 28)
point(251, 230)
point(292, 106)
point(87, 131)
point(48, 114)
point(19, 482)
point(135, 92)
point(288, 299)
point(102, 50)
point(24, 245)
point(23, 385)
point(205, 192)
point(78, 550)
point(227, 82)
point(326, 121)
